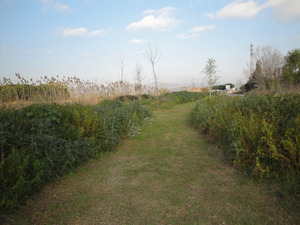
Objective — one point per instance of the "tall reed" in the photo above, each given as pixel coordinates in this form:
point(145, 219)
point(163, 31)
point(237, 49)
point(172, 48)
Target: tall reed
point(67, 89)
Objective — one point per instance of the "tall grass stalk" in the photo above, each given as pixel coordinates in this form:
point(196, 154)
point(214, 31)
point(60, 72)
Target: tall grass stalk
point(68, 89)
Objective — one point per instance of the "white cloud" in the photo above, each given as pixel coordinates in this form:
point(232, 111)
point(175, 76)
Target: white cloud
point(194, 32)
point(99, 33)
point(55, 5)
point(2, 47)
point(209, 15)
point(137, 41)
point(160, 19)
point(238, 9)
point(203, 28)
point(63, 8)
point(285, 10)
point(187, 36)
point(80, 31)
point(66, 32)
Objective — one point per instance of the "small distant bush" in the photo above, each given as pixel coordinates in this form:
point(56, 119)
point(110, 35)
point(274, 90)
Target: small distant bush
point(168, 100)
point(124, 98)
point(42, 142)
point(222, 87)
point(145, 96)
point(258, 133)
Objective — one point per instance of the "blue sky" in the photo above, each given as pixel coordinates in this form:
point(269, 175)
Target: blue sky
point(88, 38)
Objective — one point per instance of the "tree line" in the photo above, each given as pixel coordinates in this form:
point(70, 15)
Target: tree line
point(273, 70)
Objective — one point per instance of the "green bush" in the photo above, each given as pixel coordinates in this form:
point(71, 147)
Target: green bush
point(41, 142)
point(260, 134)
point(168, 100)
point(124, 98)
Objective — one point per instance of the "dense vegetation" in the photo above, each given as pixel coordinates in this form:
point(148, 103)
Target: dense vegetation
point(258, 133)
point(170, 99)
point(41, 142)
point(29, 92)
point(44, 141)
point(273, 71)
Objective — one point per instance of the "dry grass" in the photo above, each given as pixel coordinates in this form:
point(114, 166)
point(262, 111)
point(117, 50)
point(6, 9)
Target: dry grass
point(80, 91)
point(166, 175)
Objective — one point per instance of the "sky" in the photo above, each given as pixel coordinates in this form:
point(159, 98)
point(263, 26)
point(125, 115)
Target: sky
point(90, 38)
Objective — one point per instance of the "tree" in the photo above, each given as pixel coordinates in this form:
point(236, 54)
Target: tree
point(291, 68)
point(122, 76)
point(138, 77)
point(210, 73)
point(255, 78)
point(193, 83)
point(268, 70)
point(153, 56)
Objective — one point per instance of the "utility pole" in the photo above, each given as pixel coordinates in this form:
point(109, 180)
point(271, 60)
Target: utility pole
point(251, 59)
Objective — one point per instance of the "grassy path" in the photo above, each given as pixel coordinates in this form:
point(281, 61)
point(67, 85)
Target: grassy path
point(165, 175)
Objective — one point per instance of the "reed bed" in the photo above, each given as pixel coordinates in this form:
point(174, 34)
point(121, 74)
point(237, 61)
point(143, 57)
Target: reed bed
point(23, 92)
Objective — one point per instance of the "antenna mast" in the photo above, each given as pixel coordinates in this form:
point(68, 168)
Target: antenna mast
point(251, 59)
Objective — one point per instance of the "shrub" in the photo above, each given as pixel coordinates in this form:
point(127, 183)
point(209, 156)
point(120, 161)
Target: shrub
point(124, 98)
point(41, 142)
point(260, 134)
point(171, 99)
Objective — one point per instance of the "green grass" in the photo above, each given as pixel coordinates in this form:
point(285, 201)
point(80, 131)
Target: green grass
point(168, 174)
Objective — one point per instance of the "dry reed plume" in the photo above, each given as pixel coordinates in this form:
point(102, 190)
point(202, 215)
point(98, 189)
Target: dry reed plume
point(65, 90)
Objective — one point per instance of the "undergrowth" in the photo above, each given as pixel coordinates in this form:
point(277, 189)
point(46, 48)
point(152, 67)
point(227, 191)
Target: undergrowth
point(169, 100)
point(258, 133)
point(41, 142)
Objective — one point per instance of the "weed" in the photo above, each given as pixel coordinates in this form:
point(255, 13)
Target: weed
point(258, 133)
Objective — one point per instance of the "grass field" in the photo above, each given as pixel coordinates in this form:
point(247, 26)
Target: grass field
point(166, 175)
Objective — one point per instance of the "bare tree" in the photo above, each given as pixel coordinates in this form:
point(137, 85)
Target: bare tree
point(210, 73)
point(153, 56)
point(138, 77)
point(270, 62)
point(193, 83)
point(122, 76)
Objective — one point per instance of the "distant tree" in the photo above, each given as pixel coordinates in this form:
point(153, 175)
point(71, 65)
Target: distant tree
point(222, 86)
point(138, 78)
point(291, 68)
point(193, 83)
point(255, 78)
point(239, 82)
point(153, 56)
point(210, 73)
point(218, 87)
point(230, 84)
point(122, 76)
point(268, 70)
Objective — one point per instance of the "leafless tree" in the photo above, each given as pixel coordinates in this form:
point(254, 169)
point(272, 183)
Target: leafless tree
point(122, 77)
point(138, 77)
point(246, 71)
point(193, 83)
point(153, 56)
point(270, 61)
